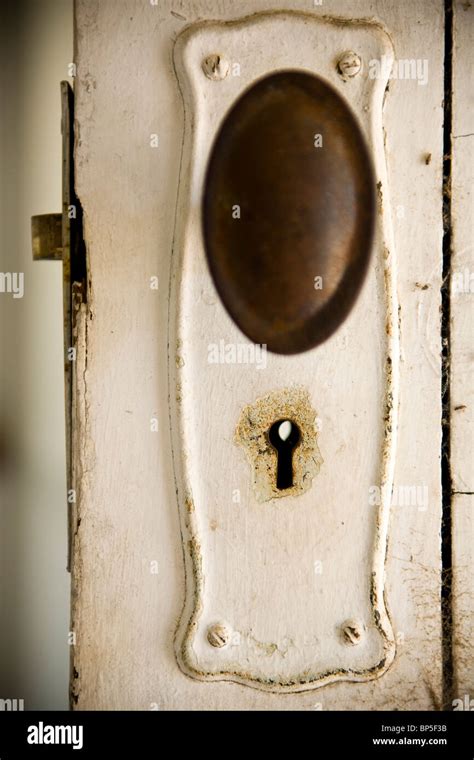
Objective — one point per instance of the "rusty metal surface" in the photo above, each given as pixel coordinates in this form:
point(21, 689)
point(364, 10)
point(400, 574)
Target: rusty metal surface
point(59, 237)
point(288, 216)
point(74, 274)
point(46, 237)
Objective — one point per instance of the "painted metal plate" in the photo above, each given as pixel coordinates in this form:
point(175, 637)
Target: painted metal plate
point(284, 588)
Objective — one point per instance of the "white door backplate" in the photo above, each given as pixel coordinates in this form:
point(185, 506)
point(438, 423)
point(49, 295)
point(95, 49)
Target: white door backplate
point(294, 584)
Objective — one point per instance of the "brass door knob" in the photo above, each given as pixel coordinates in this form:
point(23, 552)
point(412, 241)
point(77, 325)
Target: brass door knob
point(288, 211)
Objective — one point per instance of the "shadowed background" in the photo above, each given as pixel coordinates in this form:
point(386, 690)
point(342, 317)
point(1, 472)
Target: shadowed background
point(36, 46)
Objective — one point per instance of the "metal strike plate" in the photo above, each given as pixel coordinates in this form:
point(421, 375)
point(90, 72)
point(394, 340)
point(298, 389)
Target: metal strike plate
point(58, 237)
point(284, 586)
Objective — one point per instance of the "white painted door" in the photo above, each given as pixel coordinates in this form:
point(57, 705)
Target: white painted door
point(198, 582)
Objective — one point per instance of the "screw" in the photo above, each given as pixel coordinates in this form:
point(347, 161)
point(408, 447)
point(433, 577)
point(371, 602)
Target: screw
point(352, 632)
point(215, 67)
point(349, 65)
point(218, 635)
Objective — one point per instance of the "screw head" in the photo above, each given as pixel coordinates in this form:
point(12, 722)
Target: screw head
point(352, 631)
point(349, 65)
point(218, 635)
point(215, 67)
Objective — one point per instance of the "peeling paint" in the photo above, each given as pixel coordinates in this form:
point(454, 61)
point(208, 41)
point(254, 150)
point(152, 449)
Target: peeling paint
point(252, 434)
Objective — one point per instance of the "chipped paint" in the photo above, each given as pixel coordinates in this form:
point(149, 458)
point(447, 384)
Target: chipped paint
point(252, 434)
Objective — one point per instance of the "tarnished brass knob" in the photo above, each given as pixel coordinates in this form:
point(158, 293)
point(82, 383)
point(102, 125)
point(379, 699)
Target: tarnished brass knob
point(288, 211)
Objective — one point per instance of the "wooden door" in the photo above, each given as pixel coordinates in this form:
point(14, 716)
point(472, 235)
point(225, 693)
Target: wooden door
point(197, 584)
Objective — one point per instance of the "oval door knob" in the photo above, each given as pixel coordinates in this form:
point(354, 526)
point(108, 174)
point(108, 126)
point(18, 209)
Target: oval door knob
point(288, 211)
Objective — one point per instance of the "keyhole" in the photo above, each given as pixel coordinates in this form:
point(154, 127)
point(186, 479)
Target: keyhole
point(284, 435)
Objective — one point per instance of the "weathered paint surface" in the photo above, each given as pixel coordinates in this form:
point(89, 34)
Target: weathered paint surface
point(126, 513)
point(290, 533)
point(252, 434)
